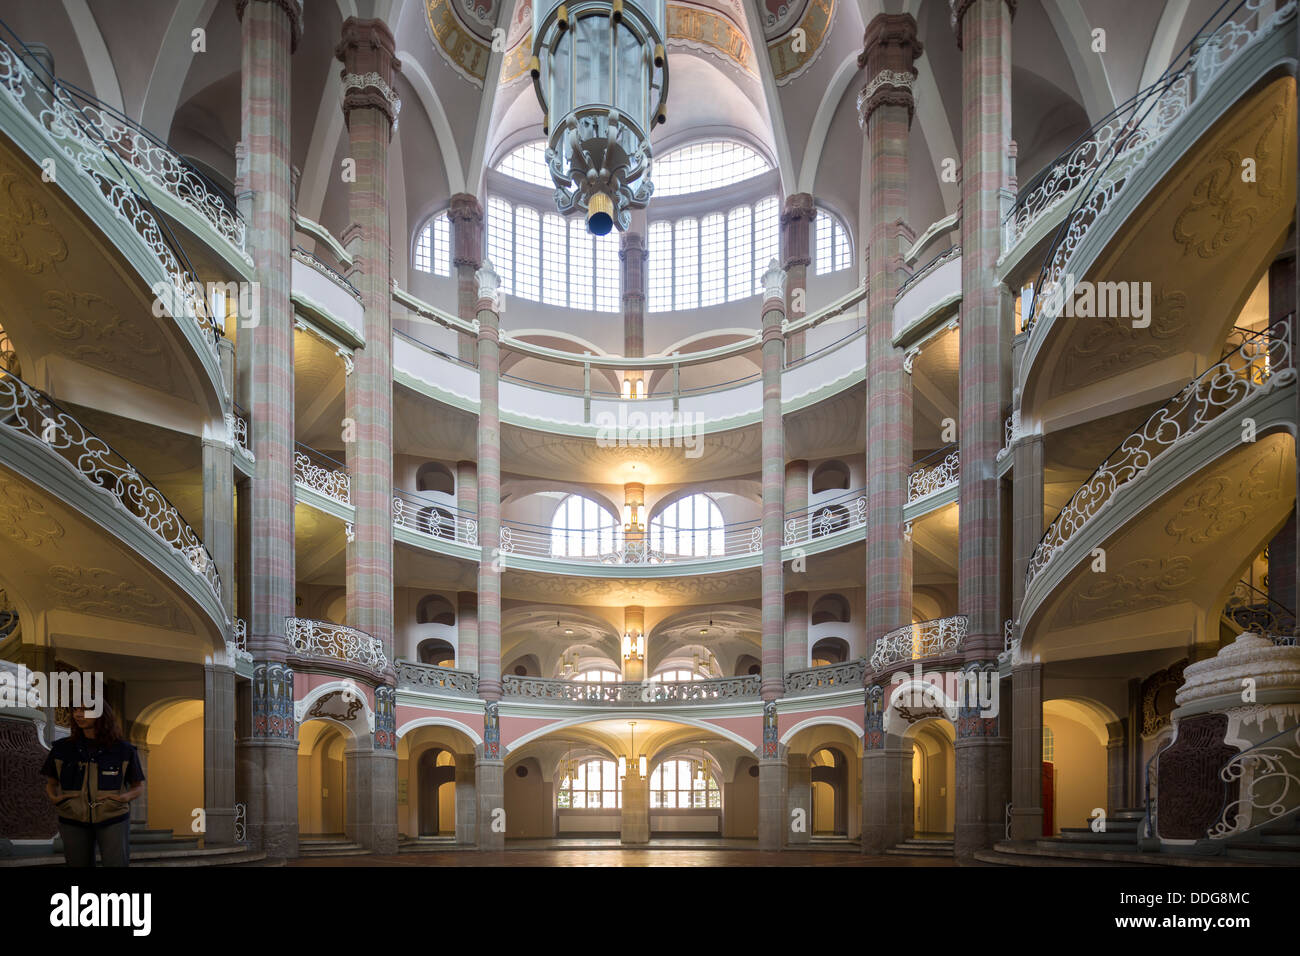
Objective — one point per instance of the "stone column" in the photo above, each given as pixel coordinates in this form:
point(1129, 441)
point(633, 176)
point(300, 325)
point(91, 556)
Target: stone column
point(465, 213)
point(887, 798)
point(796, 631)
point(467, 631)
point(635, 816)
point(796, 256)
point(219, 753)
point(984, 36)
point(885, 104)
point(1115, 763)
point(489, 768)
point(467, 601)
point(466, 801)
point(771, 765)
point(270, 30)
point(798, 795)
point(369, 109)
point(1027, 751)
point(219, 489)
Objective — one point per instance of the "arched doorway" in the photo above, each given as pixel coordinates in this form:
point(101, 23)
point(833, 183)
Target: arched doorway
point(322, 779)
point(829, 775)
point(933, 774)
point(1074, 763)
point(436, 779)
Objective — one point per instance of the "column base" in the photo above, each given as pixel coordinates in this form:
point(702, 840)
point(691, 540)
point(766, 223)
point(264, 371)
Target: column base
point(490, 785)
point(771, 804)
point(268, 770)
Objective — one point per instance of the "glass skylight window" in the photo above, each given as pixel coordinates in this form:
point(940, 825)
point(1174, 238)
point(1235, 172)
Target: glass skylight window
point(527, 162)
point(433, 246)
point(705, 166)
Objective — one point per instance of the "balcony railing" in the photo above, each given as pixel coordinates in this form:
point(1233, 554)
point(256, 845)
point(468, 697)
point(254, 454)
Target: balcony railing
point(321, 639)
point(415, 676)
point(633, 693)
point(841, 513)
point(931, 477)
point(434, 519)
point(1255, 365)
point(607, 545)
point(812, 680)
point(1253, 610)
point(916, 642)
point(325, 269)
point(1096, 168)
point(237, 426)
point(322, 474)
point(35, 417)
point(83, 133)
point(240, 645)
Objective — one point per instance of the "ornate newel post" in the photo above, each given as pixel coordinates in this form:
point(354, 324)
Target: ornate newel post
point(267, 756)
point(1234, 761)
point(465, 213)
point(771, 764)
point(489, 768)
point(983, 29)
point(885, 110)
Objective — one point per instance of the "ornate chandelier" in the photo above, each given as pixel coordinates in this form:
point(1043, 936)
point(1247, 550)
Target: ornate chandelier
point(601, 74)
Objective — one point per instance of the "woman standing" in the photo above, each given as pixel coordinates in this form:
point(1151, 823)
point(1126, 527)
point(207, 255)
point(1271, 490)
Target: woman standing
point(92, 777)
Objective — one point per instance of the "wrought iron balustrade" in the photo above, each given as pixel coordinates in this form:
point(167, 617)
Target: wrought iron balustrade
point(633, 693)
point(916, 642)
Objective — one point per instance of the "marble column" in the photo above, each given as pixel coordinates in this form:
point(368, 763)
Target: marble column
point(635, 815)
point(771, 765)
point(983, 30)
point(1027, 751)
point(466, 801)
point(796, 631)
point(888, 815)
point(219, 488)
point(796, 257)
point(369, 109)
point(1115, 765)
point(465, 213)
point(219, 753)
point(269, 34)
point(885, 104)
point(489, 768)
point(467, 601)
point(633, 255)
point(798, 795)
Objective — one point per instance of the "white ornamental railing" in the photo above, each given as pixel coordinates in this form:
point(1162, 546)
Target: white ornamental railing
point(433, 519)
point(1095, 171)
point(237, 426)
point(931, 479)
point(335, 642)
point(1267, 776)
point(915, 642)
point(632, 693)
point(416, 676)
point(240, 646)
point(70, 129)
point(1012, 432)
point(1259, 363)
point(333, 483)
point(825, 518)
point(35, 418)
point(811, 680)
point(607, 545)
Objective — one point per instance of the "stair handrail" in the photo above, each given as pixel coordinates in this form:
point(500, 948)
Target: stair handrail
point(1274, 760)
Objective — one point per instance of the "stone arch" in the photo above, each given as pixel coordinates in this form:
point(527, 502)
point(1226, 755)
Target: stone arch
point(830, 608)
point(830, 475)
point(435, 609)
point(435, 476)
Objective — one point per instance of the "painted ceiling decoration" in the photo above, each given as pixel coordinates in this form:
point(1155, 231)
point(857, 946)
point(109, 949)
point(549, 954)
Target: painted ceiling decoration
point(702, 29)
point(789, 63)
point(464, 41)
point(780, 16)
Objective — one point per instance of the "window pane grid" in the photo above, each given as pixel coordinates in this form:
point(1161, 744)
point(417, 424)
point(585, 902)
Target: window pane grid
point(766, 239)
point(501, 245)
point(706, 166)
point(713, 260)
point(424, 249)
point(442, 245)
point(528, 163)
point(740, 224)
point(686, 264)
point(555, 279)
point(527, 253)
point(674, 785)
point(607, 272)
point(660, 273)
point(580, 266)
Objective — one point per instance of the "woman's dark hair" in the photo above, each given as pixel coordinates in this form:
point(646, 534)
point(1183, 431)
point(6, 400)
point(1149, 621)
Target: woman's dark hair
point(107, 730)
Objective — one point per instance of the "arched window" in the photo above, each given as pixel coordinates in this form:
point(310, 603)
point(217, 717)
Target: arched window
point(594, 785)
point(689, 526)
point(676, 674)
point(830, 476)
point(548, 259)
point(433, 246)
point(433, 476)
point(719, 258)
point(830, 650)
point(599, 676)
point(527, 162)
point(434, 609)
point(684, 784)
point(701, 166)
point(1049, 744)
point(436, 652)
point(830, 607)
point(830, 252)
point(581, 528)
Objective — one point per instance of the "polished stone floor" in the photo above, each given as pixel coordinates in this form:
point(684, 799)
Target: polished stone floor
point(577, 856)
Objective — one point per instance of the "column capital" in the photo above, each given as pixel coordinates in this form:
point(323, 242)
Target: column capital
point(465, 213)
point(366, 51)
point(889, 49)
point(796, 247)
point(959, 8)
point(292, 9)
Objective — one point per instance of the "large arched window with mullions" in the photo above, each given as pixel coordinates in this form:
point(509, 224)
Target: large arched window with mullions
point(582, 528)
point(593, 785)
point(684, 785)
point(690, 526)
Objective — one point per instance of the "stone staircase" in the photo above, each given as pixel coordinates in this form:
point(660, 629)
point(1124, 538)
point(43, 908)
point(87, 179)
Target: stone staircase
point(331, 845)
point(426, 844)
point(933, 846)
point(152, 847)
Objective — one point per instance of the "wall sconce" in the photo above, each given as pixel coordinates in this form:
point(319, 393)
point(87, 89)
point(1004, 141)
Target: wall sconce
point(622, 766)
point(633, 646)
point(632, 515)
